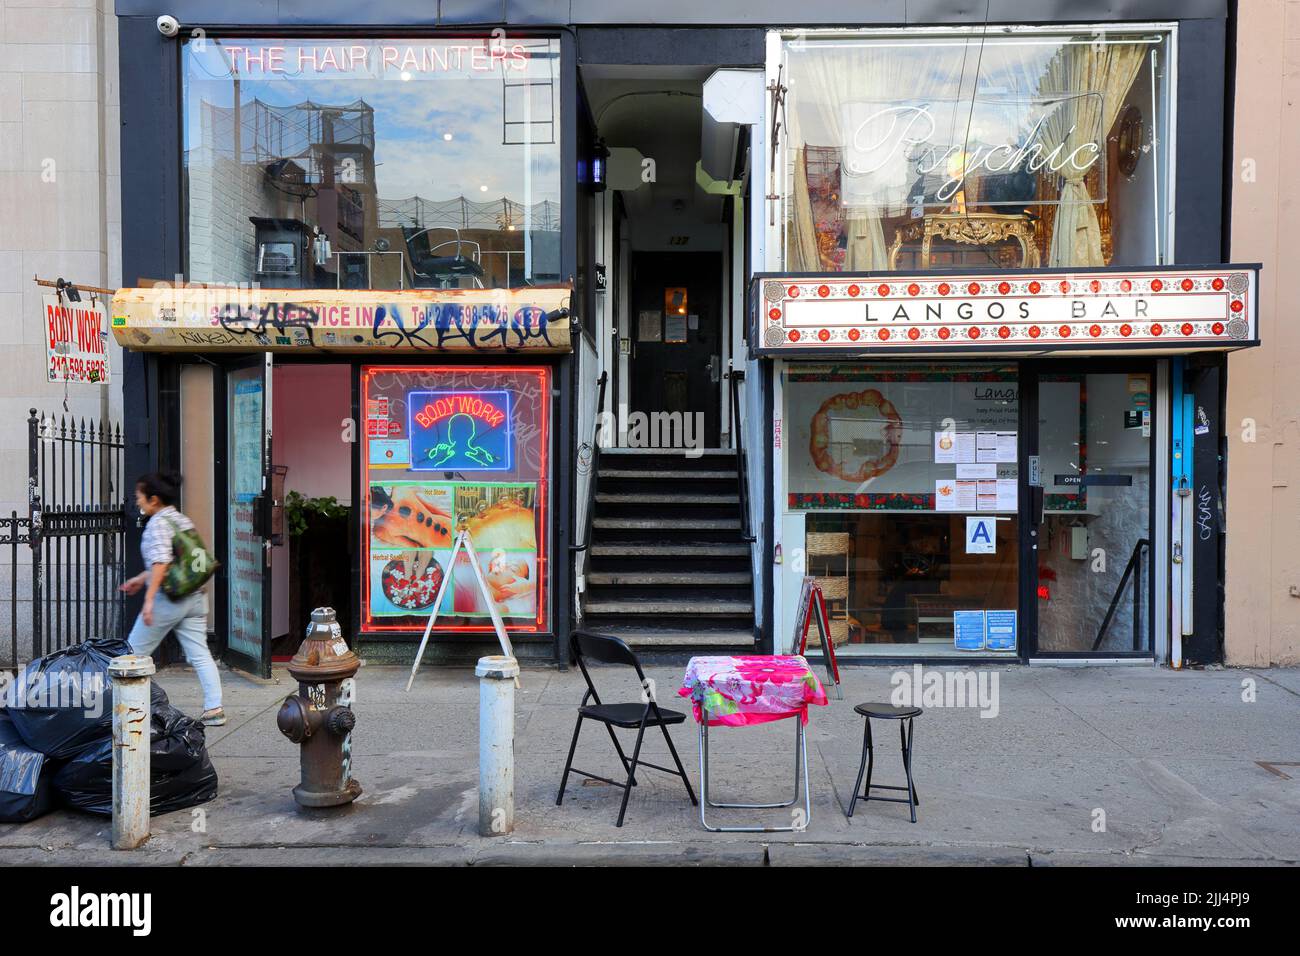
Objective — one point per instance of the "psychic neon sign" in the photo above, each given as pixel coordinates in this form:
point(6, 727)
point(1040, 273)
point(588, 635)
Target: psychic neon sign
point(461, 430)
point(889, 145)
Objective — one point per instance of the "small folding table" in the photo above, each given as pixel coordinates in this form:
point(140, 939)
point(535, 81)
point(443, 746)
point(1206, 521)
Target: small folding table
point(746, 690)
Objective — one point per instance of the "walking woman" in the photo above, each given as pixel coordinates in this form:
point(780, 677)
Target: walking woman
point(156, 495)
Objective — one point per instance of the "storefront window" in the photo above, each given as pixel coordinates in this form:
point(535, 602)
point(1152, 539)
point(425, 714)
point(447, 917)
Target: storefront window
point(445, 449)
point(970, 150)
point(905, 478)
point(431, 163)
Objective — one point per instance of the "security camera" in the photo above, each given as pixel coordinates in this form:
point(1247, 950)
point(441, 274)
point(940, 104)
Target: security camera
point(168, 25)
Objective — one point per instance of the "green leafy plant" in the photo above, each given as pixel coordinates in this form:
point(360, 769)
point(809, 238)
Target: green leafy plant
point(299, 511)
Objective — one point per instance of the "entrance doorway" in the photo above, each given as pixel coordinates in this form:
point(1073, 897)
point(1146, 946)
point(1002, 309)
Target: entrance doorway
point(676, 358)
point(1090, 553)
point(284, 466)
point(667, 238)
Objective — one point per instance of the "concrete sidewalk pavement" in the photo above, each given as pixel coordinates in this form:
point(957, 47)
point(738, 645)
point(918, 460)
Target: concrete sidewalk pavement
point(1079, 766)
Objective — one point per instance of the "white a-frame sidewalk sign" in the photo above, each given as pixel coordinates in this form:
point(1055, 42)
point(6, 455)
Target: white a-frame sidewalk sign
point(463, 541)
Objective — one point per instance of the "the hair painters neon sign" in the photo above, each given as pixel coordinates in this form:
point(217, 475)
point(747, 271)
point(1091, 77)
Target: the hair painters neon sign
point(461, 431)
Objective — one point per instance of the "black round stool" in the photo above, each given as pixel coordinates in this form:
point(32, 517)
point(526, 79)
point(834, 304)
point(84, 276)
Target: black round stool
point(904, 716)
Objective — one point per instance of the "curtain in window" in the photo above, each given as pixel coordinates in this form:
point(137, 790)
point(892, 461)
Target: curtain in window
point(822, 80)
point(1077, 70)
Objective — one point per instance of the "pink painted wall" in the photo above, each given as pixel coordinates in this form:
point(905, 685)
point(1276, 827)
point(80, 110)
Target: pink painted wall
point(309, 407)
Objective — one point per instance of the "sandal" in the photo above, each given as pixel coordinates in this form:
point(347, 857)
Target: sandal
point(213, 718)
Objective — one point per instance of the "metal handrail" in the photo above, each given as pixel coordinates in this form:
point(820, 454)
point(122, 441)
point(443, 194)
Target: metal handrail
point(1133, 568)
point(595, 468)
point(736, 377)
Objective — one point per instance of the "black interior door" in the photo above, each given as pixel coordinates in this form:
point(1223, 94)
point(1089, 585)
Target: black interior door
point(676, 342)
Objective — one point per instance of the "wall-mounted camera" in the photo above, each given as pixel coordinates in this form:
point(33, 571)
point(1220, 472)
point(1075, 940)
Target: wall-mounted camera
point(168, 25)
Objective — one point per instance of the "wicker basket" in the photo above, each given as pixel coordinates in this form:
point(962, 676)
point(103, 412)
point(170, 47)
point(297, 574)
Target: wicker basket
point(822, 543)
point(834, 588)
point(839, 633)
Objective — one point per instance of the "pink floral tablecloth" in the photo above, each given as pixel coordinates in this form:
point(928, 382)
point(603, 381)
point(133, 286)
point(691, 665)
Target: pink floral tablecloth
point(750, 689)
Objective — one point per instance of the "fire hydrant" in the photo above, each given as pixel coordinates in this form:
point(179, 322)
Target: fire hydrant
point(319, 717)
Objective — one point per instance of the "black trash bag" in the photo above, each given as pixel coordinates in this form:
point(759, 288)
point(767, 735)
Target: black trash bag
point(63, 701)
point(180, 773)
point(25, 777)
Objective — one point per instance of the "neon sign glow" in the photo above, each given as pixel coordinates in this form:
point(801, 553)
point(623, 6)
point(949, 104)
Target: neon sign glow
point(461, 431)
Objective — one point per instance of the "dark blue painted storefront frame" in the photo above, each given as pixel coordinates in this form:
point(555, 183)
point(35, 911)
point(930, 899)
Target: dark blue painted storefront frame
point(615, 32)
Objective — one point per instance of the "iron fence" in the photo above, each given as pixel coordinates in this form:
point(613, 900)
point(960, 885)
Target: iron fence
point(73, 536)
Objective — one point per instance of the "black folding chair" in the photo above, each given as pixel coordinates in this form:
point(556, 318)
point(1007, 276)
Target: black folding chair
point(610, 650)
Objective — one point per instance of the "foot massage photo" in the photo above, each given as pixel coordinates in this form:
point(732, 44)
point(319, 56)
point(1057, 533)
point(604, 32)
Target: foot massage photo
point(412, 529)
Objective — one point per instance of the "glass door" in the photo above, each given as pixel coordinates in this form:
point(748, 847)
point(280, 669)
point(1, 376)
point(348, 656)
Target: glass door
point(246, 563)
point(1089, 546)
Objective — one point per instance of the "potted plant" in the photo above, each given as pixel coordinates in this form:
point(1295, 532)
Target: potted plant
point(320, 559)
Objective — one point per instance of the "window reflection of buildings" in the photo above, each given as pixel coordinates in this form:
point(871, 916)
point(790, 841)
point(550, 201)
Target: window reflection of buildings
point(314, 164)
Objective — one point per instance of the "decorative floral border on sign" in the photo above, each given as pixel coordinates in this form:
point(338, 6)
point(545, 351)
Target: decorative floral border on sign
point(814, 500)
point(1234, 325)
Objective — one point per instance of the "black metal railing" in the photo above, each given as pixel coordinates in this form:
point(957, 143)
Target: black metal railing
point(736, 378)
point(76, 530)
point(1131, 570)
point(593, 467)
point(15, 543)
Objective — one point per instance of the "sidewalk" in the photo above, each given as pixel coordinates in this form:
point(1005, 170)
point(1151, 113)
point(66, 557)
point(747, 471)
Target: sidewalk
point(1171, 759)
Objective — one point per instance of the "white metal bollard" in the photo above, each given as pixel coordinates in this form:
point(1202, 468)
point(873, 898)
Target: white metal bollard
point(131, 739)
point(496, 744)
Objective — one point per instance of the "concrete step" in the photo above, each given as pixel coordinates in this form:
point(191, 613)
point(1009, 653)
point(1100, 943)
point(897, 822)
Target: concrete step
point(657, 549)
point(696, 453)
point(684, 638)
point(684, 498)
point(655, 474)
point(666, 524)
point(711, 607)
point(688, 578)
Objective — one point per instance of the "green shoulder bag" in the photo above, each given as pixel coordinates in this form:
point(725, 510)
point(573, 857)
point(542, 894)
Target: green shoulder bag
point(192, 564)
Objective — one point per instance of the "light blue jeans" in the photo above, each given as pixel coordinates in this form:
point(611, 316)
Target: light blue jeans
point(189, 619)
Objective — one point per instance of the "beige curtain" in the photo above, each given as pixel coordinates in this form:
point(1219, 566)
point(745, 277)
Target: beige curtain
point(822, 79)
point(1077, 70)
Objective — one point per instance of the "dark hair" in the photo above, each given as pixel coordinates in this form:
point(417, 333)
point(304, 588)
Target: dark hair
point(163, 485)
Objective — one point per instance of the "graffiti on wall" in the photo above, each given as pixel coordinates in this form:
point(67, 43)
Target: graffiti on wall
point(534, 318)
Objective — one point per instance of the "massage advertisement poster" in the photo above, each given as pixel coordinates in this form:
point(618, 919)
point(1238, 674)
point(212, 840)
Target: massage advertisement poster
point(451, 449)
point(412, 528)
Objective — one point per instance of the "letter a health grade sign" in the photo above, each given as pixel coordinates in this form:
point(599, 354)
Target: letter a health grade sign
point(76, 341)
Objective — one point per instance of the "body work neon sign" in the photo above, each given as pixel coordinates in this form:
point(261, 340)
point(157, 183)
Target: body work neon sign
point(461, 430)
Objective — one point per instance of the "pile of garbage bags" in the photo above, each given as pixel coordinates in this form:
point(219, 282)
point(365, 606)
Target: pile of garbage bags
point(56, 743)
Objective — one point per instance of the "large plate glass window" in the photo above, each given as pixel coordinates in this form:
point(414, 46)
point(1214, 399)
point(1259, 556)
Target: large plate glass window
point(447, 448)
point(975, 149)
point(385, 164)
point(906, 481)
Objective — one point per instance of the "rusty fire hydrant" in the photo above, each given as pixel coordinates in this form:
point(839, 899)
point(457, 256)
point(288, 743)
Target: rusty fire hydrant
point(319, 717)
